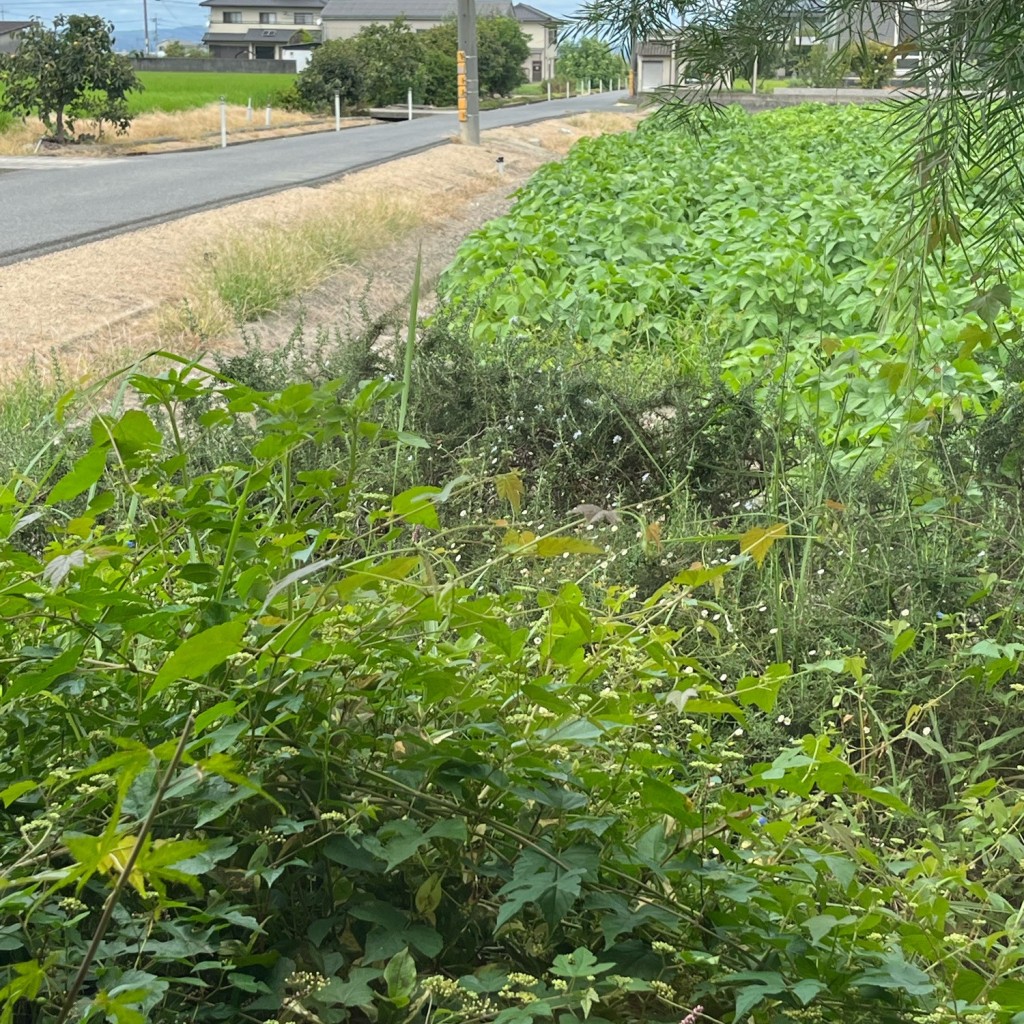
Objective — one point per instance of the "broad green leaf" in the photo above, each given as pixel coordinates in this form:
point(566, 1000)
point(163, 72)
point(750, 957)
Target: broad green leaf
point(987, 304)
point(580, 963)
point(665, 799)
point(132, 433)
point(896, 973)
point(763, 691)
point(400, 978)
point(416, 506)
point(199, 654)
point(355, 991)
point(904, 642)
point(82, 475)
point(9, 795)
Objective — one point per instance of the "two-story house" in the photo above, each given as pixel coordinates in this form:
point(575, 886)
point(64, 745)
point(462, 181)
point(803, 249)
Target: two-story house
point(9, 32)
point(264, 29)
point(344, 18)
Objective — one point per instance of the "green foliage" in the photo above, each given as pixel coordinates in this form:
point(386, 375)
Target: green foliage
point(822, 69)
point(334, 67)
point(389, 60)
point(749, 232)
point(405, 785)
point(590, 59)
point(502, 48)
point(534, 679)
point(176, 48)
point(68, 72)
point(874, 63)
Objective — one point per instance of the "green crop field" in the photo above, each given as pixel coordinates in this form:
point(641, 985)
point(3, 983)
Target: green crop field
point(184, 90)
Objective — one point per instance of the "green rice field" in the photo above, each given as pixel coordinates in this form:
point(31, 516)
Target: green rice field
point(183, 90)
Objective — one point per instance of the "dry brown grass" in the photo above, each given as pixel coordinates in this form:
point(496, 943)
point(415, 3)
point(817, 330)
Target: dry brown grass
point(101, 303)
point(159, 131)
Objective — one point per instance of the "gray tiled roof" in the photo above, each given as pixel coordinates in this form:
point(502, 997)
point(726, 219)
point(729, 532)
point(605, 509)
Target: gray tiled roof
point(654, 48)
point(525, 12)
point(267, 5)
point(423, 10)
point(261, 35)
point(6, 27)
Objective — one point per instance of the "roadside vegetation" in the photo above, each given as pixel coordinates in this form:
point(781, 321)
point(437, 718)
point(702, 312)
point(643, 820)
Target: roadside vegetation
point(637, 642)
point(383, 62)
point(243, 276)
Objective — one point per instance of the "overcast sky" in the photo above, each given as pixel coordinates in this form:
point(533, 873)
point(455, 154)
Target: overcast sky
point(127, 14)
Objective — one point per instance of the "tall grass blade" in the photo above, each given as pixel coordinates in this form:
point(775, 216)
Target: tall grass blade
point(410, 349)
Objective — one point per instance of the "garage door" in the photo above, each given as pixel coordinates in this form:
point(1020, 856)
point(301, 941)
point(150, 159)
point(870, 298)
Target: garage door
point(651, 75)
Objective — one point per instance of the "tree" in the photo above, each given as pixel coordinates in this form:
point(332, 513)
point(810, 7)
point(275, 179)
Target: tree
point(390, 57)
point(590, 59)
point(66, 72)
point(502, 49)
point(334, 67)
point(176, 48)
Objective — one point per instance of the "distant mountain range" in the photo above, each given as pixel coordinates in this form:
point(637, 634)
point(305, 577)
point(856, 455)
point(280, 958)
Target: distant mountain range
point(128, 40)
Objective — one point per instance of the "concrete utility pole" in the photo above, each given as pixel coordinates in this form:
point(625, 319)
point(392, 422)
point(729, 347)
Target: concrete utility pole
point(469, 80)
point(145, 25)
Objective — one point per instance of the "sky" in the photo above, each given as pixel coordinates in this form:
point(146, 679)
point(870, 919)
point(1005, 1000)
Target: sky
point(127, 14)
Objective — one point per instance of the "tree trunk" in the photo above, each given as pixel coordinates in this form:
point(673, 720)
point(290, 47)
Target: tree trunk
point(59, 136)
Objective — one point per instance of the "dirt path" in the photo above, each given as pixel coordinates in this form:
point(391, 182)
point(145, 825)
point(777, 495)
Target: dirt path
point(102, 304)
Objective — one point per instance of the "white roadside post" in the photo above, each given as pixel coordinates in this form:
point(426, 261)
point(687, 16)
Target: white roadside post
point(549, 90)
point(268, 115)
point(223, 123)
point(568, 88)
point(248, 111)
point(337, 111)
point(409, 97)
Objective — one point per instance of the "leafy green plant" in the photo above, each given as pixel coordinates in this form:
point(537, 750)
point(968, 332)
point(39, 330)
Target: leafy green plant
point(873, 62)
point(823, 69)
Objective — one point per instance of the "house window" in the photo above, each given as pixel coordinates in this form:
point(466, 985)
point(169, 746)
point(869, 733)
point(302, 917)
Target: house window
point(232, 17)
point(552, 37)
point(302, 19)
point(268, 17)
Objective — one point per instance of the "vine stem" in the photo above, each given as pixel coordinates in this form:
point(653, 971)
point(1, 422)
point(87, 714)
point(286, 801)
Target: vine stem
point(122, 879)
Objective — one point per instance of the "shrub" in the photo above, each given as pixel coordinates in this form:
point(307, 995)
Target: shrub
point(334, 67)
point(874, 63)
point(822, 69)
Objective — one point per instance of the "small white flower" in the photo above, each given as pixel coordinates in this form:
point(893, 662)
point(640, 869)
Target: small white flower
point(616, 439)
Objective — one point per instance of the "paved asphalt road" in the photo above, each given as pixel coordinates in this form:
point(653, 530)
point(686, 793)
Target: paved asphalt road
point(48, 204)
